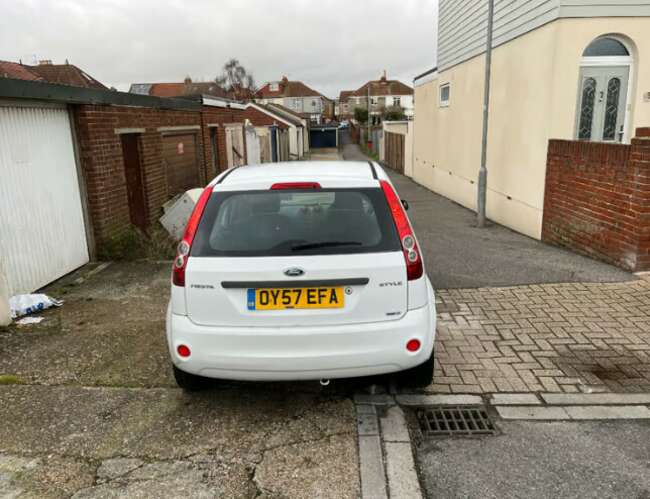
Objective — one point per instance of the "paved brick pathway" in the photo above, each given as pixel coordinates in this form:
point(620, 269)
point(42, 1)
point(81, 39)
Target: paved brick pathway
point(570, 338)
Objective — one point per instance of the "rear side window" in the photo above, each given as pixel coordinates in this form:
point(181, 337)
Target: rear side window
point(289, 223)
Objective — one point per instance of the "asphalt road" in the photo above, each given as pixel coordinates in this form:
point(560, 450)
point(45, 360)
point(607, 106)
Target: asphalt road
point(541, 460)
point(460, 255)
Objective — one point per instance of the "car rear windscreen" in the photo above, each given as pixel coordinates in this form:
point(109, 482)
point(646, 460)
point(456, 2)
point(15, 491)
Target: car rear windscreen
point(296, 222)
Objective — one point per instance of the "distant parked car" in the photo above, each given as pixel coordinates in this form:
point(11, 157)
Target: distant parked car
point(300, 271)
point(344, 124)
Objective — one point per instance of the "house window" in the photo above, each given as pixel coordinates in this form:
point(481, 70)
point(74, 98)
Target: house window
point(373, 101)
point(605, 47)
point(445, 93)
point(274, 87)
point(397, 101)
point(296, 103)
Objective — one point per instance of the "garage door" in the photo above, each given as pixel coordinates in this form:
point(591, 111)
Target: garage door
point(322, 137)
point(179, 154)
point(42, 231)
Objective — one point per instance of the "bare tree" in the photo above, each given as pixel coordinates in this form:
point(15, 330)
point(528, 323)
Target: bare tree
point(235, 77)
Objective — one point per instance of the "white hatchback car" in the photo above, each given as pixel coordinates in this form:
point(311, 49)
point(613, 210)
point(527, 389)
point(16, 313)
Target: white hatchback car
point(300, 271)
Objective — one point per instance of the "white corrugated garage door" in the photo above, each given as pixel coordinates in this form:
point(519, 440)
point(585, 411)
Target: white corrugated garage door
point(42, 231)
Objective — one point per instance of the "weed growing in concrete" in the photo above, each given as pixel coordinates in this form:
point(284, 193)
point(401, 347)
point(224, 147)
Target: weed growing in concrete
point(135, 244)
point(10, 379)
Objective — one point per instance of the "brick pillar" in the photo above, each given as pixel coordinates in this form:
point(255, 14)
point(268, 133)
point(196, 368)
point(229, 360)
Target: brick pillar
point(640, 197)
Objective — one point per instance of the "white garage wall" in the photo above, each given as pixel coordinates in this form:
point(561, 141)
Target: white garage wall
point(42, 232)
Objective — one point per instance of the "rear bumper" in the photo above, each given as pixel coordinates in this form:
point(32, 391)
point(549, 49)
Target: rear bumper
point(302, 353)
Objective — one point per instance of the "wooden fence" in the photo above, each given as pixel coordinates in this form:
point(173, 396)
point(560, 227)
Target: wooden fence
point(394, 151)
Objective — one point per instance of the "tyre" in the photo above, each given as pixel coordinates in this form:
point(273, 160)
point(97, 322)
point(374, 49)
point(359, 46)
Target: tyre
point(189, 382)
point(418, 376)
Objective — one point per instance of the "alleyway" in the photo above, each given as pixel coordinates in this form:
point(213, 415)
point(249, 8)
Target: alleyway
point(459, 255)
point(90, 409)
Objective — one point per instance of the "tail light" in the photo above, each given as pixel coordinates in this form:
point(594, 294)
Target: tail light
point(184, 247)
point(412, 256)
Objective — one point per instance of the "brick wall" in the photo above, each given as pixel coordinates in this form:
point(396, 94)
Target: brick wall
point(218, 116)
point(597, 200)
point(101, 155)
point(258, 118)
point(100, 151)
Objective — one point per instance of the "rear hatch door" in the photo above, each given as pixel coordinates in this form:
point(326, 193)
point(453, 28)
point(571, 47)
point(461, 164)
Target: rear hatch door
point(296, 258)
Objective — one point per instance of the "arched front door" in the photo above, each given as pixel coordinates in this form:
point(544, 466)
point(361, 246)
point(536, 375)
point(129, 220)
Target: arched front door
point(602, 97)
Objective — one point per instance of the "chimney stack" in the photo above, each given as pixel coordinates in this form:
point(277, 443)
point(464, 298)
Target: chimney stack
point(187, 80)
point(383, 76)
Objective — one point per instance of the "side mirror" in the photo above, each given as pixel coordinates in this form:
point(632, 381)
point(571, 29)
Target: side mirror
point(405, 204)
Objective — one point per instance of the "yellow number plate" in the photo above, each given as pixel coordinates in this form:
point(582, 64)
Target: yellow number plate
point(287, 298)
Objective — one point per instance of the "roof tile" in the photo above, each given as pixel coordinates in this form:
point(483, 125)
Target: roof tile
point(66, 74)
point(10, 69)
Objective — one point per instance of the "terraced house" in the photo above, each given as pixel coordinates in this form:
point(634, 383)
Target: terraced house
point(561, 69)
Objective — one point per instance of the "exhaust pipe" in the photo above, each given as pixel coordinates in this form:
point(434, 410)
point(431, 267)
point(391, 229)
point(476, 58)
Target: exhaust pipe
point(324, 382)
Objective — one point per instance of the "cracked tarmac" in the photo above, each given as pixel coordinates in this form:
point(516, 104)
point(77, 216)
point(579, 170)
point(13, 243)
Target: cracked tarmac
point(97, 414)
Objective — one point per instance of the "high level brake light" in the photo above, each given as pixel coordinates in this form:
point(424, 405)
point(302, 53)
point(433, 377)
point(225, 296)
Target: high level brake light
point(414, 267)
point(295, 185)
point(184, 247)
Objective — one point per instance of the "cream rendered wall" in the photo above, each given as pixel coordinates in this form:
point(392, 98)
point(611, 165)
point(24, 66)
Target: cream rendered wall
point(534, 96)
point(447, 139)
point(408, 153)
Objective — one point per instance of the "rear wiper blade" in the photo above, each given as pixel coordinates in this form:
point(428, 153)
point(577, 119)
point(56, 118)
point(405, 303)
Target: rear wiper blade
point(327, 244)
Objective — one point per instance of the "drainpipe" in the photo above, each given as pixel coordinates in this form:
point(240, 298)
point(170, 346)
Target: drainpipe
point(482, 173)
point(368, 139)
point(5, 312)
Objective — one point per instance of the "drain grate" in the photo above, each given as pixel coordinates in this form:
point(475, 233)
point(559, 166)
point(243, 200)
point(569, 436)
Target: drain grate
point(454, 421)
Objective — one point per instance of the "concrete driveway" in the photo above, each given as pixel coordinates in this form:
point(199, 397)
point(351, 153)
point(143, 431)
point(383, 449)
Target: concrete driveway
point(89, 409)
point(325, 154)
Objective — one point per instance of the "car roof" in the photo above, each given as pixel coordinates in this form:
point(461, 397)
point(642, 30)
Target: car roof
point(327, 173)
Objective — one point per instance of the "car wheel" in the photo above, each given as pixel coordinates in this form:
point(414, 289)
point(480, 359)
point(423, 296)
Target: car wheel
point(418, 376)
point(188, 382)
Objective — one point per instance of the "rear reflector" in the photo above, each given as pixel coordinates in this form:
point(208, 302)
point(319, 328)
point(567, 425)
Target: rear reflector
point(412, 257)
point(295, 185)
point(413, 345)
point(184, 351)
point(183, 252)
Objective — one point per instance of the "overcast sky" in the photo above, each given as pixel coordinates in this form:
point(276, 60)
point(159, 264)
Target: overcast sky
point(331, 45)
